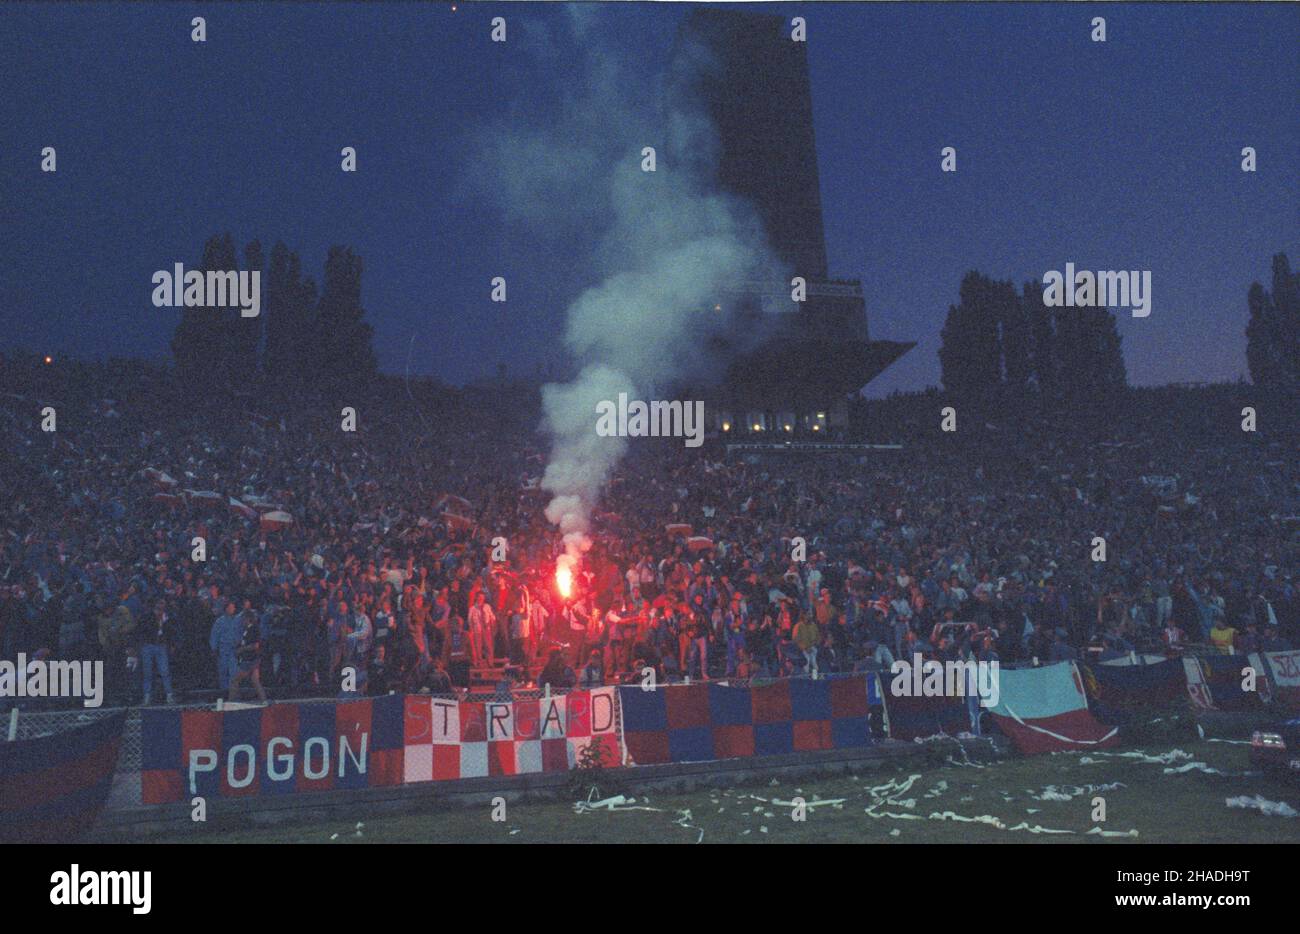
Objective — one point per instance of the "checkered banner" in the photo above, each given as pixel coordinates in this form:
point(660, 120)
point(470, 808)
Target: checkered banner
point(277, 750)
point(700, 722)
point(445, 739)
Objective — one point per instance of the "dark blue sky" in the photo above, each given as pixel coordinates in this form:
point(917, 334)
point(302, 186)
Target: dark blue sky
point(1123, 155)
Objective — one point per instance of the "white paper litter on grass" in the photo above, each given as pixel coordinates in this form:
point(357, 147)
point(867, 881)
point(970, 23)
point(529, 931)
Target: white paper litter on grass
point(1036, 828)
point(893, 787)
point(1262, 804)
point(937, 790)
point(1164, 758)
point(808, 804)
point(684, 820)
point(1098, 832)
point(871, 812)
point(991, 821)
point(1068, 792)
point(980, 819)
point(616, 803)
point(1194, 767)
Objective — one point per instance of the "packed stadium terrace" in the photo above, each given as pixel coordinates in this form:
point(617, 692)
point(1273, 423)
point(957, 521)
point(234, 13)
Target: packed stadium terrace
point(371, 554)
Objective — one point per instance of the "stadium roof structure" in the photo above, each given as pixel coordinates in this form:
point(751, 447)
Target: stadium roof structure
point(757, 91)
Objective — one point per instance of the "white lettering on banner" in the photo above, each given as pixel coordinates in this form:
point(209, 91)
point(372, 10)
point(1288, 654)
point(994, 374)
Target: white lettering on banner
point(242, 760)
point(324, 748)
point(272, 772)
point(250, 766)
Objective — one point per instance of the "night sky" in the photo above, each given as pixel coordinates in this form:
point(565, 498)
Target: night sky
point(1122, 155)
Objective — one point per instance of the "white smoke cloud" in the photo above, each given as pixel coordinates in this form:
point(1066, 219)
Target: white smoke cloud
point(671, 247)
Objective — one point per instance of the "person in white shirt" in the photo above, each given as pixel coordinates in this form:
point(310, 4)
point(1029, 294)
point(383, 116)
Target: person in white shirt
point(482, 631)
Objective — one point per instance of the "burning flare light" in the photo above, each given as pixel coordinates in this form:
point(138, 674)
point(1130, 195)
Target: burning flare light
point(564, 579)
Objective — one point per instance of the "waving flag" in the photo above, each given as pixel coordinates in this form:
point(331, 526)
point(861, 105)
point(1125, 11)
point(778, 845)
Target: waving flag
point(1116, 693)
point(52, 788)
point(1215, 682)
point(1046, 710)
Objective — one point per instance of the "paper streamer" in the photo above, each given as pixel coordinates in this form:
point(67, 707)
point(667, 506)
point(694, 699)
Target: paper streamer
point(1263, 805)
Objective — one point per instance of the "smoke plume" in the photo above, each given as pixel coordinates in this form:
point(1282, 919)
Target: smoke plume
point(671, 245)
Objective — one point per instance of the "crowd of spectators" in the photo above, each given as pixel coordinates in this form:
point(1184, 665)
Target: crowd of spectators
point(393, 576)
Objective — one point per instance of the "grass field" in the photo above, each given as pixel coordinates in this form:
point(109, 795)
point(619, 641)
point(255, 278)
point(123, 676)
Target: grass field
point(1186, 807)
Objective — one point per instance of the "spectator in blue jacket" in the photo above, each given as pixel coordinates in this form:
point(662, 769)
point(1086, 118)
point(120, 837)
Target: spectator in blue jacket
point(227, 630)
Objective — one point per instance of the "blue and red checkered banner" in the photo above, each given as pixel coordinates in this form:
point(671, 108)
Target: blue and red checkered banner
point(700, 722)
point(294, 748)
point(277, 750)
